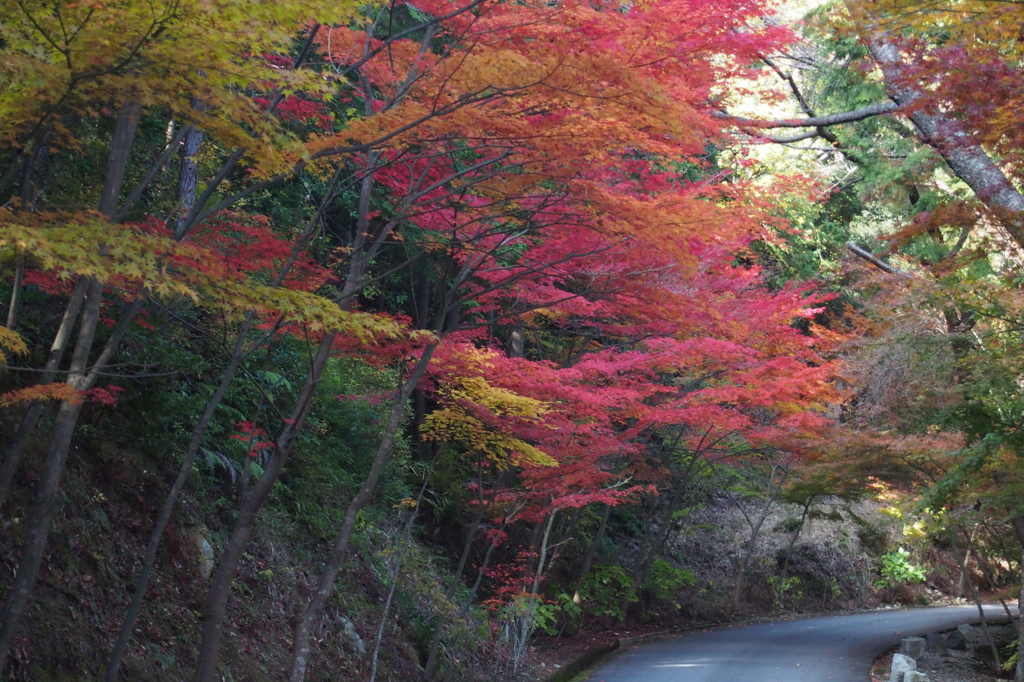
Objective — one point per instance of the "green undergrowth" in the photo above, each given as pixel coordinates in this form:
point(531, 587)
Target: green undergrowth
point(117, 479)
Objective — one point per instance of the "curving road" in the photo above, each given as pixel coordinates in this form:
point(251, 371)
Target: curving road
point(838, 648)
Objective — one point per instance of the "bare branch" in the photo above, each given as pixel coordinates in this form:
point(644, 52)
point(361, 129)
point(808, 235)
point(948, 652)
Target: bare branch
point(876, 261)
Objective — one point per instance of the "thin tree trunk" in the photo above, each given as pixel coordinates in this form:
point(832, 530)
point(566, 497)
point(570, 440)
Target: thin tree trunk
point(149, 560)
point(962, 582)
point(737, 593)
point(977, 600)
point(564, 537)
point(419, 413)
point(983, 564)
point(517, 340)
point(216, 610)
point(771, 492)
point(792, 540)
point(644, 568)
point(650, 520)
point(213, 623)
point(471, 597)
point(304, 625)
point(35, 410)
point(588, 558)
point(25, 194)
point(1018, 528)
point(431, 667)
point(406, 540)
point(188, 176)
point(1003, 549)
point(47, 496)
point(467, 547)
point(117, 161)
point(536, 538)
point(528, 617)
point(16, 165)
point(239, 353)
point(12, 311)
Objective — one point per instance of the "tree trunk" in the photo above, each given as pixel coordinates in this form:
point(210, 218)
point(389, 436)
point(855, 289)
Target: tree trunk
point(792, 540)
point(238, 355)
point(528, 619)
point(406, 539)
point(47, 496)
point(737, 593)
point(564, 536)
point(588, 558)
point(435, 642)
point(648, 519)
point(1018, 528)
point(771, 491)
point(12, 311)
point(304, 625)
point(149, 560)
point(536, 538)
point(960, 559)
point(117, 161)
point(188, 176)
point(213, 623)
point(517, 340)
point(419, 413)
point(962, 582)
point(965, 157)
point(468, 601)
point(216, 610)
point(35, 410)
point(644, 568)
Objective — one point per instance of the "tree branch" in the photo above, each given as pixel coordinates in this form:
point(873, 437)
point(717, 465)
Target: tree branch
point(815, 121)
point(876, 261)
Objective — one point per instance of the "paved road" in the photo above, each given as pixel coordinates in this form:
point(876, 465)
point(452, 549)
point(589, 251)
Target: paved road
point(838, 648)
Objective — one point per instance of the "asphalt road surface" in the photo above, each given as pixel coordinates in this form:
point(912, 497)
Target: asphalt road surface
point(838, 648)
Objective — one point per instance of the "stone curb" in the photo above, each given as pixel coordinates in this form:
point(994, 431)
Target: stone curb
point(579, 664)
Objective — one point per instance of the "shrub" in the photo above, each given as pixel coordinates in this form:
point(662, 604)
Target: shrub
point(898, 570)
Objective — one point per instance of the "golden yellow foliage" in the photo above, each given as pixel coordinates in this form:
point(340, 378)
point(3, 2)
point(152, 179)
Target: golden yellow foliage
point(477, 414)
point(80, 56)
point(10, 342)
point(122, 256)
